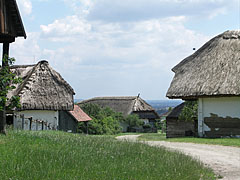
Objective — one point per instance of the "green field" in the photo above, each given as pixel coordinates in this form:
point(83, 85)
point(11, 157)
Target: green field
point(216, 141)
point(56, 155)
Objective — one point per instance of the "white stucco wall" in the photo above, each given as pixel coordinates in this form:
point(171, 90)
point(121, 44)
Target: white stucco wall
point(222, 106)
point(51, 117)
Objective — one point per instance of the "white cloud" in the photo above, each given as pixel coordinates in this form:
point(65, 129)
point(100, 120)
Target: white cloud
point(25, 6)
point(109, 56)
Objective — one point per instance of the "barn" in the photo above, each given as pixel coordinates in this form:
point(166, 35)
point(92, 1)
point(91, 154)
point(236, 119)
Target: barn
point(211, 76)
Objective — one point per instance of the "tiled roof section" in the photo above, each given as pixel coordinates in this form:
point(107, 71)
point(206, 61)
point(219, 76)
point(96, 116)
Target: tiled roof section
point(79, 114)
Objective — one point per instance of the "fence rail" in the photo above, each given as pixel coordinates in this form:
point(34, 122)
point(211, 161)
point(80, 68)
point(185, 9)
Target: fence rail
point(28, 123)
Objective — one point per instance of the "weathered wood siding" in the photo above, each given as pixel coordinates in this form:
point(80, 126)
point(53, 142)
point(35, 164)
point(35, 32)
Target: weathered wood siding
point(67, 122)
point(177, 128)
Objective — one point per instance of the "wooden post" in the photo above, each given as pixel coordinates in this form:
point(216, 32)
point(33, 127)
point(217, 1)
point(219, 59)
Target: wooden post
point(22, 116)
point(30, 125)
point(3, 113)
point(42, 125)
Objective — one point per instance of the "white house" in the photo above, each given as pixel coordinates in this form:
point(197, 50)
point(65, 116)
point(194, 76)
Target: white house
point(212, 76)
point(43, 94)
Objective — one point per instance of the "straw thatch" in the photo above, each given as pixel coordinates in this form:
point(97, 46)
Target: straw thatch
point(213, 70)
point(126, 105)
point(42, 88)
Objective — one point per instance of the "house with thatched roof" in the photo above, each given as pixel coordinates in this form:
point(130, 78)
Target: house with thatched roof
point(43, 95)
point(211, 76)
point(127, 105)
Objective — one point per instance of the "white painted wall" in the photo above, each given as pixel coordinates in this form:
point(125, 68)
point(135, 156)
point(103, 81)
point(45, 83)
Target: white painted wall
point(222, 106)
point(46, 116)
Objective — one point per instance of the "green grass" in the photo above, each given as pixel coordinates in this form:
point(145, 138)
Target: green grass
point(216, 141)
point(61, 156)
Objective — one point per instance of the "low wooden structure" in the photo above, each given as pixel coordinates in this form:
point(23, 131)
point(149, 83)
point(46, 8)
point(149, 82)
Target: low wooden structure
point(68, 120)
point(176, 127)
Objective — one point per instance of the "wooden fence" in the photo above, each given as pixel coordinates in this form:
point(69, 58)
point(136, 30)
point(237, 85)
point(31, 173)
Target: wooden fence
point(28, 123)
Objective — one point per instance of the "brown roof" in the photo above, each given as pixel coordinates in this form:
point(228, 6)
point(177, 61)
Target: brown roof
point(123, 104)
point(42, 88)
point(213, 70)
point(79, 114)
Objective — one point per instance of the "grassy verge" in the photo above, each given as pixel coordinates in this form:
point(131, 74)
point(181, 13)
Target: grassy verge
point(218, 141)
point(57, 155)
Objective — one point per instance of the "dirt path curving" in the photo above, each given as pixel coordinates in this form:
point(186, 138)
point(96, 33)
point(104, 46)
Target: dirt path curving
point(224, 160)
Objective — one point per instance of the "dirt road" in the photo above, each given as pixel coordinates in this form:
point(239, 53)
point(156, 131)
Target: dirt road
point(224, 160)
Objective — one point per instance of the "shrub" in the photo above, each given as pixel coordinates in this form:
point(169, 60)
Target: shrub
point(104, 120)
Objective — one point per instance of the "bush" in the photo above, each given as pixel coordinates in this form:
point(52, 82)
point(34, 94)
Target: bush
point(104, 120)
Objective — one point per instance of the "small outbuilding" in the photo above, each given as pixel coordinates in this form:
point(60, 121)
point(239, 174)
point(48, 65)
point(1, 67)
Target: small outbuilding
point(68, 120)
point(177, 127)
point(127, 105)
point(211, 76)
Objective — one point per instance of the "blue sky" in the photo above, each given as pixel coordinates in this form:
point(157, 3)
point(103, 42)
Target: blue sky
point(116, 47)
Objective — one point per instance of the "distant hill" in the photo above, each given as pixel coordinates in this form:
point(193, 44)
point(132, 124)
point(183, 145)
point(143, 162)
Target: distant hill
point(78, 100)
point(162, 106)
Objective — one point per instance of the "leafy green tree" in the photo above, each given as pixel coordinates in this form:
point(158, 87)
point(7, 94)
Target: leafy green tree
point(8, 80)
point(133, 121)
point(104, 120)
point(189, 111)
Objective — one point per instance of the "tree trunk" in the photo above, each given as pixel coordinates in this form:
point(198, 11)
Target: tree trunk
point(3, 113)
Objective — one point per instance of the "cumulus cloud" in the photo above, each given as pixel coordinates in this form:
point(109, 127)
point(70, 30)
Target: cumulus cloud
point(25, 6)
point(113, 55)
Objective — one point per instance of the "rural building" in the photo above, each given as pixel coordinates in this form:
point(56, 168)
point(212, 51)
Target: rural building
point(11, 27)
point(127, 105)
point(177, 127)
point(68, 120)
point(211, 76)
point(43, 95)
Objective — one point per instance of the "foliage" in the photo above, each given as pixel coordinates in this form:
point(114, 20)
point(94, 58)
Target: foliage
point(133, 121)
point(57, 155)
point(8, 80)
point(104, 120)
point(189, 111)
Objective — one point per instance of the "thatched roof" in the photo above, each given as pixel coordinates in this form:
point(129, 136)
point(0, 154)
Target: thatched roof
point(123, 104)
point(213, 70)
point(79, 114)
point(42, 88)
point(176, 111)
point(11, 25)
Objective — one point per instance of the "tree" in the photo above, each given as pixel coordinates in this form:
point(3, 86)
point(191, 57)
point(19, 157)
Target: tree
point(133, 121)
point(8, 80)
point(189, 111)
point(104, 120)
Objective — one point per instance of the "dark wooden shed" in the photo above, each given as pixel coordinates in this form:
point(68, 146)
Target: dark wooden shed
point(177, 127)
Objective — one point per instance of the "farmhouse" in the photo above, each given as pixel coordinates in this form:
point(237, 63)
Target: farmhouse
point(127, 105)
point(211, 76)
point(43, 95)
